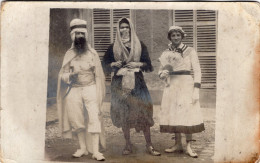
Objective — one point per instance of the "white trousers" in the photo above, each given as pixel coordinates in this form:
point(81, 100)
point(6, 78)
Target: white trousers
point(79, 99)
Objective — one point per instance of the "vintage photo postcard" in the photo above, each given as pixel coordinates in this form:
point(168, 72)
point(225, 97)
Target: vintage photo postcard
point(129, 82)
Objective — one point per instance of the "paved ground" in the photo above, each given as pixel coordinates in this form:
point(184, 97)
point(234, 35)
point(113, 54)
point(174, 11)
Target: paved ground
point(57, 149)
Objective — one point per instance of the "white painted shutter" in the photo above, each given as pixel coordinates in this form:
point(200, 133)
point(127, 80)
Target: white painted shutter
point(206, 28)
point(101, 30)
point(184, 18)
point(201, 27)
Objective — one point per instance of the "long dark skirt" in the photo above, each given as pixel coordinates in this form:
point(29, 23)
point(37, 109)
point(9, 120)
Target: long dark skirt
point(135, 110)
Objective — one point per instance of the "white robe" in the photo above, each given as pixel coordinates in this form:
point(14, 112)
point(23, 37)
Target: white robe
point(62, 88)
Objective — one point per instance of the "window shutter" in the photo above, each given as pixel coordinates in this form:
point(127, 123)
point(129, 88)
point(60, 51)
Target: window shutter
point(200, 27)
point(104, 27)
point(206, 46)
point(206, 38)
point(184, 18)
point(119, 13)
point(188, 40)
point(101, 28)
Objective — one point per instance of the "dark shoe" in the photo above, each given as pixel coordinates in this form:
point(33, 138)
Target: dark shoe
point(152, 151)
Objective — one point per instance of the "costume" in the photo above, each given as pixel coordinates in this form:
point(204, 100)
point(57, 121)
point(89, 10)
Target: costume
point(178, 113)
point(131, 103)
point(79, 102)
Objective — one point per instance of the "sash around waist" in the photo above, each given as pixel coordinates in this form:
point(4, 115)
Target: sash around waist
point(83, 84)
point(85, 78)
point(179, 73)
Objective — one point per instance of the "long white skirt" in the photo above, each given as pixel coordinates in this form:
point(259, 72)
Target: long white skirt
point(178, 114)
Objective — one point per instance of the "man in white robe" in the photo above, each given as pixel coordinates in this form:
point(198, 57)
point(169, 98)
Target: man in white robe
point(81, 89)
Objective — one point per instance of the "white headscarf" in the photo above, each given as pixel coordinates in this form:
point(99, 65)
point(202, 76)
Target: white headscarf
point(119, 49)
point(122, 54)
point(78, 25)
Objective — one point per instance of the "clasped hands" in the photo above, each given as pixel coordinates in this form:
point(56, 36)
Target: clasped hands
point(130, 65)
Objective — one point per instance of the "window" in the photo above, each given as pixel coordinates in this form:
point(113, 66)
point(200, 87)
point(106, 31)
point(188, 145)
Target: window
point(200, 27)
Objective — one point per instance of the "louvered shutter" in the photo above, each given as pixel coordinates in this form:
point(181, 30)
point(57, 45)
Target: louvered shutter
point(104, 27)
point(206, 46)
point(101, 28)
point(184, 18)
point(200, 27)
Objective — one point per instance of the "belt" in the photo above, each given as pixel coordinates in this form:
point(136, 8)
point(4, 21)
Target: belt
point(179, 73)
point(83, 84)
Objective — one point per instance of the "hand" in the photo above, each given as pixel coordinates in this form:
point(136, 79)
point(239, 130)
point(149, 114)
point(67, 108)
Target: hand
point(116, 64)
point(195, 96)
point(134, 65)
point(164, 74)
point(74, 76)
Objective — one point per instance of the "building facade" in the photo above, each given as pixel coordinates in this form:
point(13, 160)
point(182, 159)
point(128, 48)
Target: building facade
point(151, 28)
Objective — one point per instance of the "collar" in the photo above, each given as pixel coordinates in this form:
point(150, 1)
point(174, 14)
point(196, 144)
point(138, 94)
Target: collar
point(181, 47)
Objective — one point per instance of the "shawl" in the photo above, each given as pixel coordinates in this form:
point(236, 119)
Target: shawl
point(122, 54)
point(120, 51)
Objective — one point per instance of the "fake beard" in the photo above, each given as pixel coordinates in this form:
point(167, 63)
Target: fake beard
point(80, 44)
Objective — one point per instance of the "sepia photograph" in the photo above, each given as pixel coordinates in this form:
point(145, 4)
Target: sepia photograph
point(138, 83)
point(130, 82)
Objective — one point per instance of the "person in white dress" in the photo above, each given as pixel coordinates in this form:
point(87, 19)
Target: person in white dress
point(180, 107)
point(81, 89)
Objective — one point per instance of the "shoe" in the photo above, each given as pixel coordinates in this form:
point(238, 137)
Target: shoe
point(98, 157)
point(152, 151)
point(174, 148)
point(127, 150)
point(192, 153)
point(80, 153)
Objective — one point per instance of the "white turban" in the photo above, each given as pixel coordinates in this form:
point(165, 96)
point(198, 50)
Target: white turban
point(78, 25)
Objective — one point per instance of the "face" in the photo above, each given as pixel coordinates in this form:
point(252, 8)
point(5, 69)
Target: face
point(79, 34)
point(176, 38)
point(124, 30)
point(124, 27)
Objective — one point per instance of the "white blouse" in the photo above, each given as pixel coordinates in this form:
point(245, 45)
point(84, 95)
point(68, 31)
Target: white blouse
point(184, 62)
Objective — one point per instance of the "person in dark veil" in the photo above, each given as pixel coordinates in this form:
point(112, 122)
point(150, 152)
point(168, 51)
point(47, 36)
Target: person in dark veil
point(131, 103)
